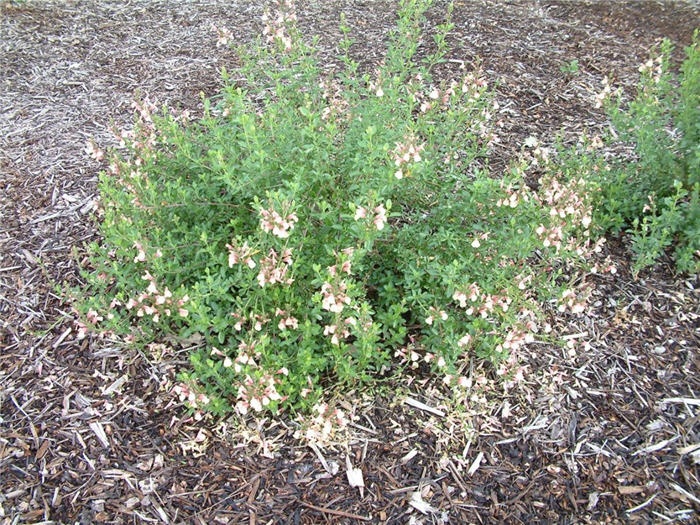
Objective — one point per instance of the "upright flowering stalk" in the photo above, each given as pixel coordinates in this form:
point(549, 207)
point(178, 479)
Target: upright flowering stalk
point(273, 222)
point(377, 215)
point(405, 152)
point(277, 24)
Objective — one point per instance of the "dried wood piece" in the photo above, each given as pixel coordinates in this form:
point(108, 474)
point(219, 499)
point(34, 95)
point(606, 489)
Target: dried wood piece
point(99, 431)
point(422, 406)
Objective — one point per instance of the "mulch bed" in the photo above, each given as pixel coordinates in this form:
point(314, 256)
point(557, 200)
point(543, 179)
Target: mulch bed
point(89, 431)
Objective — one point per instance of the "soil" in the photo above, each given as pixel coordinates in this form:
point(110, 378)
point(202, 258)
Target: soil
point(90, 432)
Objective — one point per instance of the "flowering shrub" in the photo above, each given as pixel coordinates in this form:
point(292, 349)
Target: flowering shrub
point(657, 196)
point(320, 228)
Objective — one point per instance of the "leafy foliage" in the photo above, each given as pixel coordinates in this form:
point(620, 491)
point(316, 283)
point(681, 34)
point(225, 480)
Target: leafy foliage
point(656, 196)
point(313, 230)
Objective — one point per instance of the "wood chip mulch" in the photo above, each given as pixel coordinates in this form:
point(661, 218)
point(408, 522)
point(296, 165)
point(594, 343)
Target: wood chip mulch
point(89, 431)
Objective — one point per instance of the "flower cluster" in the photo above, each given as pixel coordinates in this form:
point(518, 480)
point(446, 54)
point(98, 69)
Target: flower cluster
point(434, 96)
point(93, 151)
point(476, 242)
point(332, 94)
point(653, 67)
point(186, 392)
point(271, 221)
point(515, 339)
point(155, 303)
point(273, 268)
point(472, 293)
point(334, 296)
point(435, 313)
point(338, 333)
point(511, 371)
point(575, 301)
point(141, 253)
point(606, 266)
point(378, 217)
point(515, 196)
point(240, 254)
point(254, 321)
point(257, 321)
point(259, 391)
point(224, 35)
point(465, 340)
point(92, 318)
point(538, 154)
point(474, 86)
point(276, 26)
point(286, 321)
point(566, 204)
point(604, 94)
point(375, 86)
point(258, 388)
point(483, 303)
point(405, 152)
point(322, 425)
point(246, 357)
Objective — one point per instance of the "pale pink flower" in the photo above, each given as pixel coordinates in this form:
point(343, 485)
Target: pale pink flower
point(461, 298)
point(379, 217)
point(141, 255)
point(464, 341)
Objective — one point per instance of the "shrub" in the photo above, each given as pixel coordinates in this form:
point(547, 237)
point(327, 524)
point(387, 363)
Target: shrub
point(317, 229)
point(655, 196)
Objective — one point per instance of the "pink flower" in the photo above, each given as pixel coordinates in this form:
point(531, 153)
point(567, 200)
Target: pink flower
point(95, 152)
point(271, 221)
point(461, 298)
point(379, 217)
point(224, 35)
point(141, 256)
point(464, 382)
point(464, 341)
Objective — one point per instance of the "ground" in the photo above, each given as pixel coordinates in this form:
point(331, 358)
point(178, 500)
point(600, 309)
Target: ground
point(89, 432)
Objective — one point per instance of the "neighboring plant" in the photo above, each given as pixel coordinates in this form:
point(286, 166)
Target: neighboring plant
point(570, 68)
point(656, 195)
point(315, 229)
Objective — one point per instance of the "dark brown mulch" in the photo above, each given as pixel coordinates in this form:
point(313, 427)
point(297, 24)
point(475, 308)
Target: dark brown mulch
point(88, 431)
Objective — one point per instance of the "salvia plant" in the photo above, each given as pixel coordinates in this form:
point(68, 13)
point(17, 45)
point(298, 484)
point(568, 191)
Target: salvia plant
point(656, 194)
point(315, 229)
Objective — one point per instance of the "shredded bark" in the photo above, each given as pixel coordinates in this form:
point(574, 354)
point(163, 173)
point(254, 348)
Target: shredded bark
point(89, 431)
